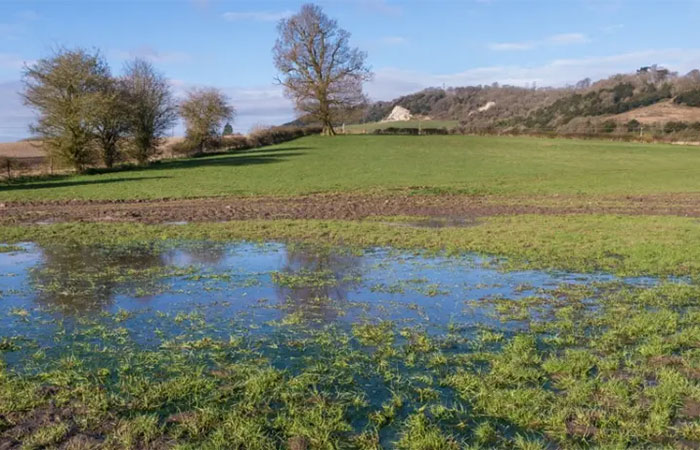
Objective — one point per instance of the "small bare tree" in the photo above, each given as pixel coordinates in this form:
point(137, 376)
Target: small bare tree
point(205, 112)
point(151, 108)
point(319, 69)
point(66, 89)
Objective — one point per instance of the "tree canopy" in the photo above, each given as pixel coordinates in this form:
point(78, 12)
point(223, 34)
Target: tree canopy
point(319, 69)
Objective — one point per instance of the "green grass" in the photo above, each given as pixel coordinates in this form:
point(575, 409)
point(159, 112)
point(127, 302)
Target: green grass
point(424, 124)
point(469, 164)
point(625, 245)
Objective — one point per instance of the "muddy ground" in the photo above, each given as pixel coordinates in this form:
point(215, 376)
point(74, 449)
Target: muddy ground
point(340, 206)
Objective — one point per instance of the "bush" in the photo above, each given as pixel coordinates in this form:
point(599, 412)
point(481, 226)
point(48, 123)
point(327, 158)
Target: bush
point(633, 125)
point(412, 131)
point(609, 126)
point(261, 137)
point(673, 127)
point(689, 98)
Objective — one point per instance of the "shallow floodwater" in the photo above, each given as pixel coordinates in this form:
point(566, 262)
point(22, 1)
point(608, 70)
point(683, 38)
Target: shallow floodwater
point(335, 344)
point(253, 288)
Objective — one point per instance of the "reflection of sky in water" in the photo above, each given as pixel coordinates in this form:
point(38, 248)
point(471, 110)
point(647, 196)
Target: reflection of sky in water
point(232, 285)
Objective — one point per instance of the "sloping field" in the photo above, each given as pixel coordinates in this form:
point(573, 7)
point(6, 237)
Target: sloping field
point(661, 112)
point(21, 149)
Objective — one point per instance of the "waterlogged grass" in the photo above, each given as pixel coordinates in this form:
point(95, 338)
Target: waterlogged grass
point(605, 366)
point(590, 363)
point(625, 245)
point(464, 164)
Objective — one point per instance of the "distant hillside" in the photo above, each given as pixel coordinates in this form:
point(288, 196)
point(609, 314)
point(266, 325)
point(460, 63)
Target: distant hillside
point(652, 95)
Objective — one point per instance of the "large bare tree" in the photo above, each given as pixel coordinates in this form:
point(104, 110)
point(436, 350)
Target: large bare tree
point(205, 112)
point(66, 90)
point(151, 106)
point(319, 69)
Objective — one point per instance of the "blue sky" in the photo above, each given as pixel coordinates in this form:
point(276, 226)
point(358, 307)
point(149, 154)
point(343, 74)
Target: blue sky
point(411, 44)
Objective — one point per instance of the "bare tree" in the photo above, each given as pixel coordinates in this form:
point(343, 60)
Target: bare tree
point(66, 90)
point(319, 69)
point(152, 109)
point(205, 112)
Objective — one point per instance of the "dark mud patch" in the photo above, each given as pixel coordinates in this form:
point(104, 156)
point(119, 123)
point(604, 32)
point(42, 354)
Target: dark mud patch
point(342, 207)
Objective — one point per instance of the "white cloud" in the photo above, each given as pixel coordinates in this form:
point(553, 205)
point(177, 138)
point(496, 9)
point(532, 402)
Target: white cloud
point(390, 83)
point(258, 16)
point(612, 28)
point(14, 116)
point(382, 7)
point(556, 39)
point(153, 55)
point(256, 105)
point(28, 15)
point(568, 38)
point(511, 46)
point(11, 62)
point(393, 40)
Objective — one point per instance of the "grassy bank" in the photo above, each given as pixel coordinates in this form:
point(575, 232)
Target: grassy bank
point(628, 245)
point(466, 164)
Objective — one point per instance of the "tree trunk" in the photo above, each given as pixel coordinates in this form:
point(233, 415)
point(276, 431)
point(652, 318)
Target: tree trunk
point(328, 129)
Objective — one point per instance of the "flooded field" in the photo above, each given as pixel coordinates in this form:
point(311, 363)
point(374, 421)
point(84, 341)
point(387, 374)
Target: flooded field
point(210, 345)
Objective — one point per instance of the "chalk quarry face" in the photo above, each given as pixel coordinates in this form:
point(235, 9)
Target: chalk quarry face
point(399, 114)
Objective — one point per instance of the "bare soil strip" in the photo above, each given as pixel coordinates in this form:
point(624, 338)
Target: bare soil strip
point(341, 206)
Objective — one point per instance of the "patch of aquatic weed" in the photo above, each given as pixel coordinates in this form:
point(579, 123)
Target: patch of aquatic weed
point(603, 366)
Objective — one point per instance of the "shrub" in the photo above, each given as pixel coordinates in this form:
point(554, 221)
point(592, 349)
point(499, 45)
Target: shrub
point(411, 131)
point(633, 125)
point(673, 127)
point(689, 98)
point(609, 126)
point(275, 135)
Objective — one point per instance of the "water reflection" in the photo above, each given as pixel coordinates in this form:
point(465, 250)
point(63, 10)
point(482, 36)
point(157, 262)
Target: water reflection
point(81, 278)
point(264, 282)
point(321, 278)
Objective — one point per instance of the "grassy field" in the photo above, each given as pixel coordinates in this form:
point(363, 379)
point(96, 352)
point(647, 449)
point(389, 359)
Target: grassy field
point(460, 164)
point(362, 128)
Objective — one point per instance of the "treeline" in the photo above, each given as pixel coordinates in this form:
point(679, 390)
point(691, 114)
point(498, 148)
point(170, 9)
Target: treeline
point(520, 109)
point(87, 117)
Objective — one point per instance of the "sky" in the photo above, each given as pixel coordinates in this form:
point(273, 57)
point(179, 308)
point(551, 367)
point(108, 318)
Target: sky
point(410, 44)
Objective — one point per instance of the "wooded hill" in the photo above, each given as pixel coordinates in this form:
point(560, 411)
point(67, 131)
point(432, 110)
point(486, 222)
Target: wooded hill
point(608, 105)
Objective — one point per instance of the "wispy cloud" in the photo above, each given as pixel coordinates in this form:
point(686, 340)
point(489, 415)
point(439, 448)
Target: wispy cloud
point(382, 7)
point(153, 55)
point(390, 83)
point(15, 117)
point(393, 40)
point(255, 105)
point(258, 16)
point(568, 38)
point(612, 28)
point(553, 40)
point(11, 62)
point(27, 15)
point(511, 46)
